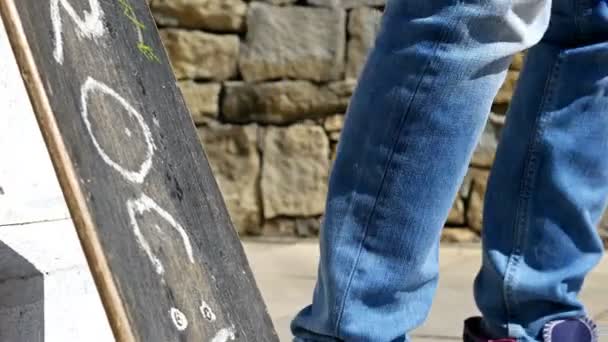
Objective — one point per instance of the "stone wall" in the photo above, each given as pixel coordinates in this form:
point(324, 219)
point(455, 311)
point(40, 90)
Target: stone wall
point(268, 83)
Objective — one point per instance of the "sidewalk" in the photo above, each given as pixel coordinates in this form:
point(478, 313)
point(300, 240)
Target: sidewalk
point(286, 275)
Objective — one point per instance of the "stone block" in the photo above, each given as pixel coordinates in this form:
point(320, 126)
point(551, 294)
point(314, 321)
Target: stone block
point(508, 87)
point(363, 25)
point(308, 227)
point(456, 216)
point(295, 170)
point(334, 136)
point(283, 101)
point(278, 2)
point(346, 3)
point(202, 99)
point(518, 61)
point(333, 148)
point(474, 185)
point(458, 235)
point(279, 227)
point(233, 156)
point(484, 154)
point(200, 55)
point(293, 42)
point(213, 15)
point(289, 227)
point(334, 123)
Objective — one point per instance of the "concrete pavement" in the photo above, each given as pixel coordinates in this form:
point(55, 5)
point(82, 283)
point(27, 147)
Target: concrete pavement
point(286, 274)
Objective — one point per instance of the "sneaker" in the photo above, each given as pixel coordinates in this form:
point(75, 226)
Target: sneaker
point(473, 332)
point(566, 330)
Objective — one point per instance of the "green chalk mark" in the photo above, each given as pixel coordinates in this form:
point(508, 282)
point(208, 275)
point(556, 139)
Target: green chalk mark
point(144, 48)
point(130, 13)
point(148, 52)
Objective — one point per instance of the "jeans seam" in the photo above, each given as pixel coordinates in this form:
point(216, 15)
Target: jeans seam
point(576, 4)
point(581, 9)
point(521, 225)
point(341, 308)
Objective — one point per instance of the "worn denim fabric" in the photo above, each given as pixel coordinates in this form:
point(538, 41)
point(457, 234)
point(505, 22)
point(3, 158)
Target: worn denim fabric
point(420, 105)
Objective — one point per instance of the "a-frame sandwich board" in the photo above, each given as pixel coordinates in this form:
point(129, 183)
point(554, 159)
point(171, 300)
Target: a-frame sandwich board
point(167, 262)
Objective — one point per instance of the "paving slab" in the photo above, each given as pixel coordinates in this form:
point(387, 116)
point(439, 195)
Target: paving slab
point(286, 274)
point(46, 290)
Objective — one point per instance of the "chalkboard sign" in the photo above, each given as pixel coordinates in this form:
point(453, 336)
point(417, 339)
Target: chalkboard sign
point(165, 257)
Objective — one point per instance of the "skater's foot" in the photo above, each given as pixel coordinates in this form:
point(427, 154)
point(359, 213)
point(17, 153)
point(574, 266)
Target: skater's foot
point(473, 332)
point(567, 330)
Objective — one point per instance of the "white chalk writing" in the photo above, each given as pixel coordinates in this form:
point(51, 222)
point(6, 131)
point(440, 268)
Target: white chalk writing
point(226, 334)
point(143, 204)
point(135, 176)
point(207, 312)
point(90, 27)
point(179, 319)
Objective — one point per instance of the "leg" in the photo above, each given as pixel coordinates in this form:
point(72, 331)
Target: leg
point(549, 183)
point(413, 122)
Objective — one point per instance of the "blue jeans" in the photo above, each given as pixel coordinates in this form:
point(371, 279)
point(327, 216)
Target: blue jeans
point(421, 103)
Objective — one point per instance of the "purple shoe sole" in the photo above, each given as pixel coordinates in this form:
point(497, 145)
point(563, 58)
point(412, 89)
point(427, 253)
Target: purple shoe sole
point(570, 330)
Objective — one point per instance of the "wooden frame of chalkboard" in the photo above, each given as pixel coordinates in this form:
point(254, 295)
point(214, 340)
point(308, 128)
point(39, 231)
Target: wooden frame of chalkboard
point(153, 225)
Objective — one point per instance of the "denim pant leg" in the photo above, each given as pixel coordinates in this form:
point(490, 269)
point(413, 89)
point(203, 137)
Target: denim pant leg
point(410, 130)
point(549, 182)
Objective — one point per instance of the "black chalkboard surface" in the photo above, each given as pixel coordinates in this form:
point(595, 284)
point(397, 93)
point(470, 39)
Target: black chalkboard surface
point(152, 222)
